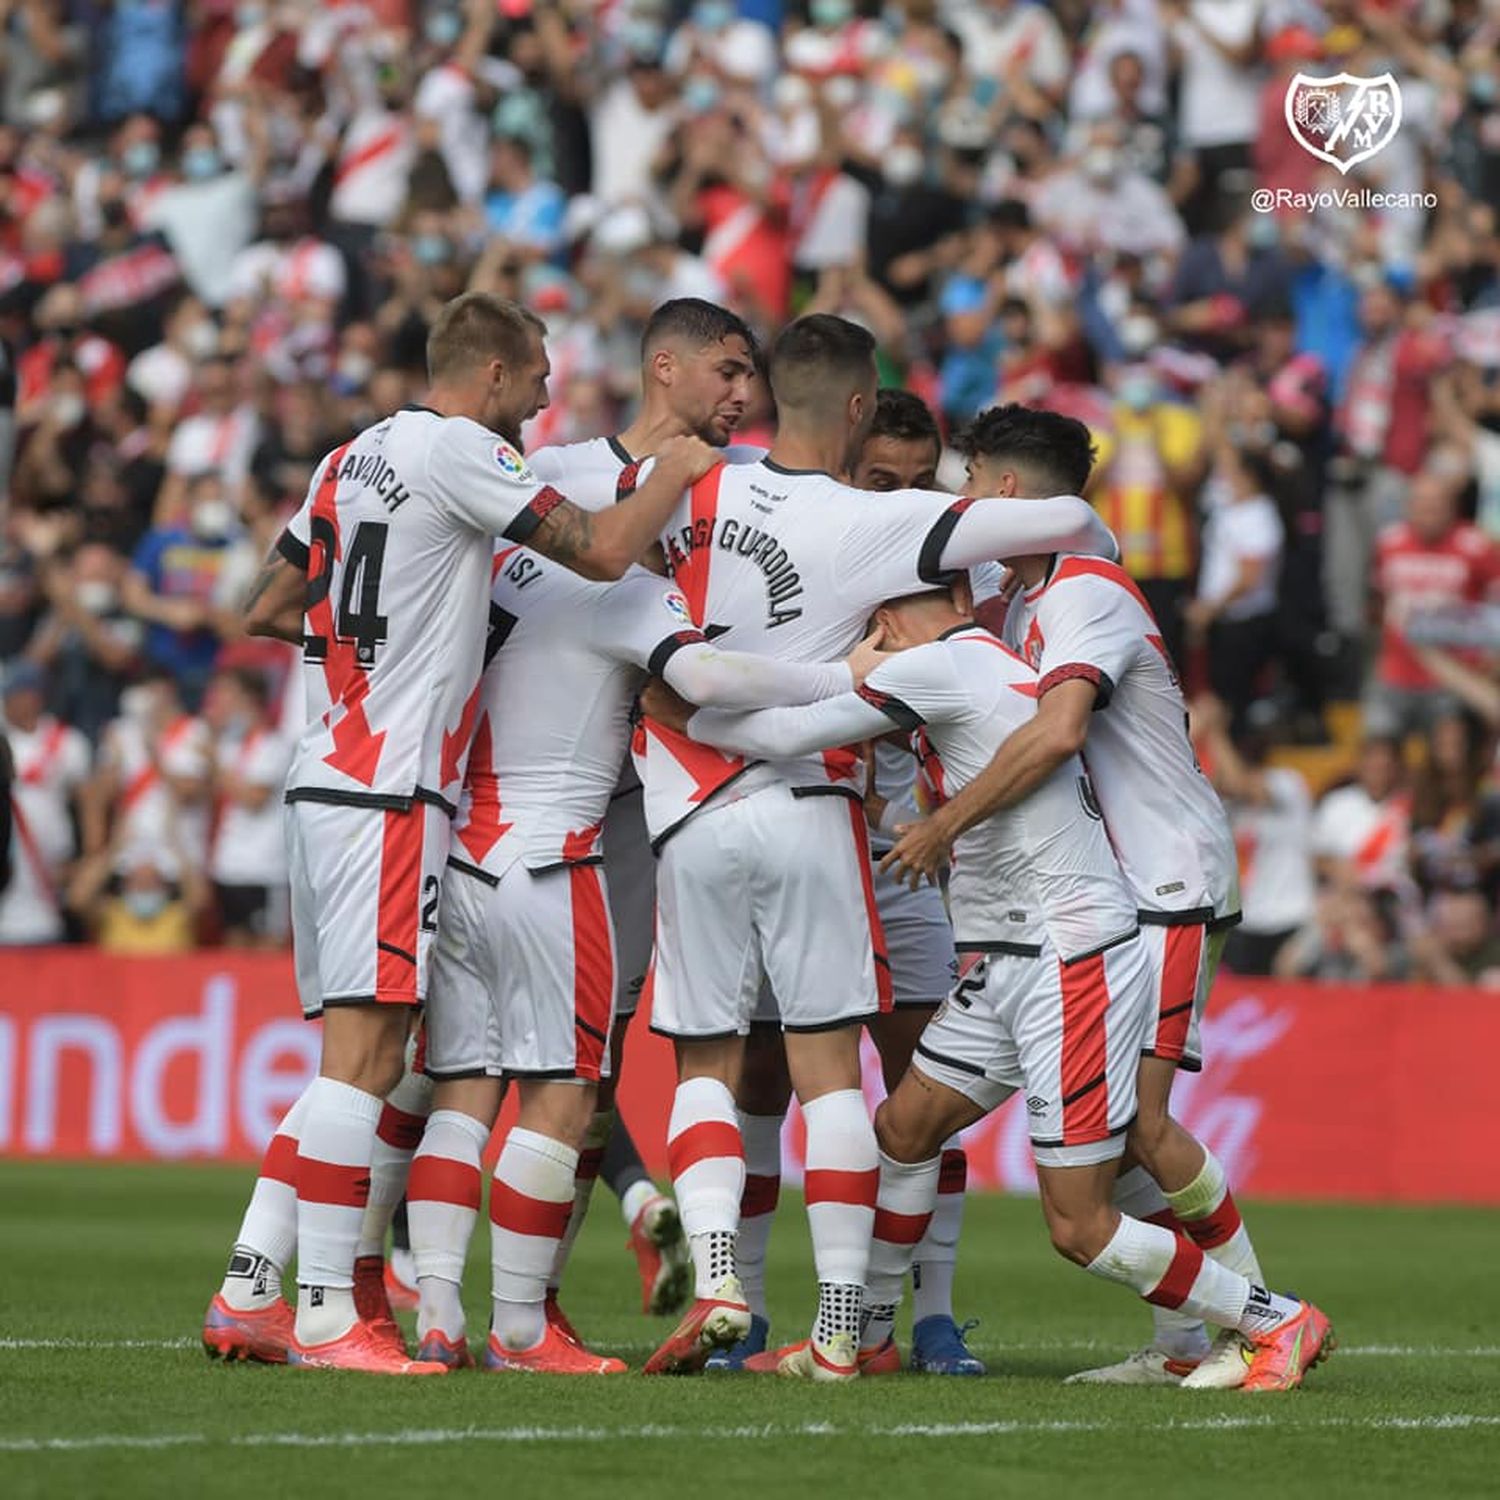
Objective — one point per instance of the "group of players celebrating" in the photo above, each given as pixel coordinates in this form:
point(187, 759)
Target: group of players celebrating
point(778, 646)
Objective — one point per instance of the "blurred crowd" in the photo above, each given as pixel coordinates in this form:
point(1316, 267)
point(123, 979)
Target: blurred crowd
point(225, 228)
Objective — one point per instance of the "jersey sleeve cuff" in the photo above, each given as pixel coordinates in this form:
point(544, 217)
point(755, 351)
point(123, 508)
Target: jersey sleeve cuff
point(293, 550)
point(538, 508)
point(669, 647)
point(902, 715)
point(1104, 686)
point(930, 559)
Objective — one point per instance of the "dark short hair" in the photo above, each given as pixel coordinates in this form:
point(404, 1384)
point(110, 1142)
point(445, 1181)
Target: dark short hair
point(253, 683)
point(820, 358)
point(905, 417)
point(695, 321)
point(477, 327)
point(1054, 449)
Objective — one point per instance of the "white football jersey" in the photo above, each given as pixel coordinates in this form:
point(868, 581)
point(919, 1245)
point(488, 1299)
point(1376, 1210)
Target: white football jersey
point(1088, 620)
point(396, 538)
point(791, 564)
point(1040, 871)
point(249, 846)
point(148, 812)
point(600, 472)
point(51, 763)
point(552, 714)
point(1274, 842)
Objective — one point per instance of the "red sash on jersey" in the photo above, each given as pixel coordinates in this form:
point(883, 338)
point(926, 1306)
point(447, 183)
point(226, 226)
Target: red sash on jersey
point(47, 752)
point(149, 775)
point(383, 144)
point(32, 850)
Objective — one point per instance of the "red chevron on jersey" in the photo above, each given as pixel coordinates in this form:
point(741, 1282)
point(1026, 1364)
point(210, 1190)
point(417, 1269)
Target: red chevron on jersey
point(691, 574)
point(582, 844)
point(356, 751)
point(480, 829)
point(456, 741)
point(707, 768)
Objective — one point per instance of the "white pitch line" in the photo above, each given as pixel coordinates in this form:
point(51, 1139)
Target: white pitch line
point(433, 1437)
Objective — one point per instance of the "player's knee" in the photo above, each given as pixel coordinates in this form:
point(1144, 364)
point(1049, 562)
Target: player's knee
point(902, 1135)
point(1078, 1238)
point(367, 1050)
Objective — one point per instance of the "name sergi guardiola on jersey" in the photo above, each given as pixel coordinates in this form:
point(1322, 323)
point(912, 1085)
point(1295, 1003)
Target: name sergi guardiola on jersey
point(754, 543)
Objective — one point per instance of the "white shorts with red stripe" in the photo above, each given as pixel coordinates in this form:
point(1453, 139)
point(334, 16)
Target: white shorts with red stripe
point(771, 884)
point(365, 884)
point(1070, 1035)
point(524, 976)
point(630, 871)
point(1184, 960)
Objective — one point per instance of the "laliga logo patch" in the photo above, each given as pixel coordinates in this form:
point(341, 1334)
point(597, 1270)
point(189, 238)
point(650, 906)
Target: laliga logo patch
point(676, 606)
point(1343, 119)
point(512, 465)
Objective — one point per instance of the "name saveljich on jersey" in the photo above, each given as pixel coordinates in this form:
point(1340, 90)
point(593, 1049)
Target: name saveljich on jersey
point(375, 471)
point(783, 581)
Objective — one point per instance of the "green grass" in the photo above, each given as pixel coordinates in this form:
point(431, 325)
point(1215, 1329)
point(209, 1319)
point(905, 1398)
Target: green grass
point(126, 1253)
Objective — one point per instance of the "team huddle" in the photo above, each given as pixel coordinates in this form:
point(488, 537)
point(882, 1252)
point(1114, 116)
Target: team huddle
point(658, 714)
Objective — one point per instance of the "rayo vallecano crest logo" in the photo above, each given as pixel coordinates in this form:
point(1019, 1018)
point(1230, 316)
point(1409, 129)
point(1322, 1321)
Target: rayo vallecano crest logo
point(1343, 119)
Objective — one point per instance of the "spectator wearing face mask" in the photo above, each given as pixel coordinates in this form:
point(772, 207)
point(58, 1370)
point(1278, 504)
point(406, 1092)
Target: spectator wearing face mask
point(171, 583)
point(88, 642)
point(154, 781)
point(163, 374)
point(51, 763)
point(218, 439)
point(207, 208)
point(53, 447)
point(65, 342)
point(247, 861)
point(1224, 281)
point(143, 902)
point(1099, 203)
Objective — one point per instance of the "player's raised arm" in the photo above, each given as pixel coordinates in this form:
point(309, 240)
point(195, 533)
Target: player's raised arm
point(978, 531)
point(604, 544)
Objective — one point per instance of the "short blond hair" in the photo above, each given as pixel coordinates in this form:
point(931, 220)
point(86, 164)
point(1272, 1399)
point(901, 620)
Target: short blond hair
point(477, 327)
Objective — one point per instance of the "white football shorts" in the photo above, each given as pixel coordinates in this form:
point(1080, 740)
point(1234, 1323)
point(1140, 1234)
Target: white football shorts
point(365, 887)
point(523, 978)
point(771, 884)
point(1183, 962)
point(1070, 1035)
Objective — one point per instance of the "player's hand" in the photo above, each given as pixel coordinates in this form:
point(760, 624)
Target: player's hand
point(922, 850)
point(867, 656)
point(687, 459)
point(659, 702)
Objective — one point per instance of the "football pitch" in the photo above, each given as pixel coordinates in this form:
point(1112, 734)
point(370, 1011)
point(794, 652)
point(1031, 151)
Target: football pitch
point(104, 1388)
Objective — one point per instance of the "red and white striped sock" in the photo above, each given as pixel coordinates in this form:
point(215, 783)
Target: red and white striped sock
point(268, 1232)
point(707, 1161)
point(531, 1198)
point(396, 1138)
point(841, 1183)
point(1137, 1195)
point(936, 1256)
point(590, 1158)
point(1169, 1270)
point(1206, 1210)
point(442, 1207)
point(333, 1186)
point(903, 1213)
point(762, 1138)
